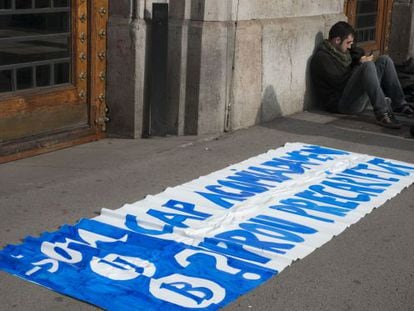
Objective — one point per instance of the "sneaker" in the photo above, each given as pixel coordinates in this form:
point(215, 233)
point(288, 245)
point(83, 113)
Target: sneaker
point(404, 110)
point(388, 120)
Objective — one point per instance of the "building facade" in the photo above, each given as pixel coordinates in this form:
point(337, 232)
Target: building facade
point(230, 64)
point(76, 71)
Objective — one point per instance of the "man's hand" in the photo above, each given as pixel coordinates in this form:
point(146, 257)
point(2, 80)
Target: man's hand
point(369, 58)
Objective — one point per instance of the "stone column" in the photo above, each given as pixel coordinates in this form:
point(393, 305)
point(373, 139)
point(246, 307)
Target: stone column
point(402, 31)
point(200, 60)
point(127, 68)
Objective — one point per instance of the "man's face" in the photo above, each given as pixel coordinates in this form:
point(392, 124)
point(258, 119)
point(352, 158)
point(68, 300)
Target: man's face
point(345, 44)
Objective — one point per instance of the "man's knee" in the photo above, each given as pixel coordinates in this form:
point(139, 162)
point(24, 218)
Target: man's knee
point(384, 59)
point(368, 65)
point(369, 68)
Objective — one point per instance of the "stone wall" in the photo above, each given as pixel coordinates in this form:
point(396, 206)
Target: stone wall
point(231, 63)
point(127, 69)
point(402, 32)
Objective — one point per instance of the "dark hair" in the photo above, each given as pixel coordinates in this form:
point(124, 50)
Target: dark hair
point(341, 30)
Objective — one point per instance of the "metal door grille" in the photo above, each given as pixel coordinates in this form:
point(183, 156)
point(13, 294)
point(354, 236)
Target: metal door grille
point(35, 44)
point(366, 20)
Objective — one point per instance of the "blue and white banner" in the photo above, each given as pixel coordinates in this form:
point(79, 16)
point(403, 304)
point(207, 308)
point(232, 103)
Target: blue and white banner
point(204, 243)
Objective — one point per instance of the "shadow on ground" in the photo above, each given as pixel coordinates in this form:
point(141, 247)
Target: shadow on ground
point(356, 129)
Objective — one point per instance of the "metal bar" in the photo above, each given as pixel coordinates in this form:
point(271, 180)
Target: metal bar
point(367, 35)
point(35, 37)
point(365, 28)
point(34, 80)
point(37, 87)
point(37, 63)
point(34, 84)
point(367, 14)
point(14, 80)
point(13, 6)
point(15, 11)
point(33, 4)
point(52, 73)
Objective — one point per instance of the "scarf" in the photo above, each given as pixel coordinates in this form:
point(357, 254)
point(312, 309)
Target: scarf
point(344, 58)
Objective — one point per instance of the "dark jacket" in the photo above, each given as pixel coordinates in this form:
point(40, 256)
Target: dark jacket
point(329, 78)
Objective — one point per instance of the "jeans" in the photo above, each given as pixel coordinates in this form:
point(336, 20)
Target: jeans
point(373, 81)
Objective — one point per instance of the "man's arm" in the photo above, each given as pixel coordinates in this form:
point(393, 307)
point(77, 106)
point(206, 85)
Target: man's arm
point(327, 70)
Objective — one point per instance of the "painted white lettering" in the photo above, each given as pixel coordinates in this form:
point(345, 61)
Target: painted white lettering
point(188, 292)
point(122, 268)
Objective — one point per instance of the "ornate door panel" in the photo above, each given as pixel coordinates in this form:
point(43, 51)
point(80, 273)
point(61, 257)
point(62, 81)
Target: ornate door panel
point(46, 69)
point(371, 20)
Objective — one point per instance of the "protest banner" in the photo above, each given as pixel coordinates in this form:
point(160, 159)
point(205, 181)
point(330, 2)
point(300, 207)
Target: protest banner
point(202, 244)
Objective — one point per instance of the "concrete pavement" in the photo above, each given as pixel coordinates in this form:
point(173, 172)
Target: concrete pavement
point(368, 267)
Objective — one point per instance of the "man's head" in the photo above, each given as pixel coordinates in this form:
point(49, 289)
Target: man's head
point(341, 36)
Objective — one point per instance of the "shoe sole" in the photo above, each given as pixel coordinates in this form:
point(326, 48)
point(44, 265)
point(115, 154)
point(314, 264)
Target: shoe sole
point(390, 126)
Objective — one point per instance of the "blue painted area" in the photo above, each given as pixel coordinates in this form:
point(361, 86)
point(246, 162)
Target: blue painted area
point(75, 277)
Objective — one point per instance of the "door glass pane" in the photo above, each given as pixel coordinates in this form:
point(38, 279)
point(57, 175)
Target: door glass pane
point(62, 73)
point(43, 75)
point(35, 43)
point(23, 4)
point(61, 3)
point(366, 20)
point(24, 78)
point(42, 4)
point(5, 4)
point(5, 81)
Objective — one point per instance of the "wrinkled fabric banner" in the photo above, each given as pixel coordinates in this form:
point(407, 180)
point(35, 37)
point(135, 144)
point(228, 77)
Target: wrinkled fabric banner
point(204, 243)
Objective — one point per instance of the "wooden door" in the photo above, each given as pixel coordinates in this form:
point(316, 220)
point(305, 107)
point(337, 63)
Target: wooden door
point(52, 74)
point(371, 20)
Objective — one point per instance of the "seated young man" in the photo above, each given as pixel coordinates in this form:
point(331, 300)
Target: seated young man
point(344, 85)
